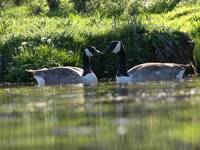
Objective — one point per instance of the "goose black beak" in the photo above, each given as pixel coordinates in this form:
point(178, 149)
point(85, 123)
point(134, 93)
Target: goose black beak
point(98, 53)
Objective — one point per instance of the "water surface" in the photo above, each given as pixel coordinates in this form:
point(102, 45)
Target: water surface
point(148, 116)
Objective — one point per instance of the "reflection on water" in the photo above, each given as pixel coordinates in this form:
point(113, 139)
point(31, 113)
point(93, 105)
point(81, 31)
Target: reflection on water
point(106, 117)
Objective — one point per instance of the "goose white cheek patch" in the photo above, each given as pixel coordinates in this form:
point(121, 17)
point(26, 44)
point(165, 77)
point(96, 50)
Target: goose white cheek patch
point(117, 48)
point(88, 53)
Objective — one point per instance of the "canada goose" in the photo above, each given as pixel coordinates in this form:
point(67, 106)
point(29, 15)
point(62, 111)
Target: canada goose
point(68, 74)
point(147, 71)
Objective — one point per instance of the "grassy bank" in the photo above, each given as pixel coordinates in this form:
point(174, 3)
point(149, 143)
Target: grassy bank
point(47, 39)
point(185, 18)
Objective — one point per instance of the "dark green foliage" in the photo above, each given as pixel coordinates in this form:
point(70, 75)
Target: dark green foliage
point(164, 42)
point(36, 53)
point(80, 5)
point(35, 9)
point(172, 46)
point(53, 4)
point(108, 8)
point(17, 2)
point(112, 8)
point(38, 57)
point(1, 64)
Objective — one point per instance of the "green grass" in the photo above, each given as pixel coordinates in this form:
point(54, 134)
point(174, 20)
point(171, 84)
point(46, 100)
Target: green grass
point(185, 18)
point(70, 31)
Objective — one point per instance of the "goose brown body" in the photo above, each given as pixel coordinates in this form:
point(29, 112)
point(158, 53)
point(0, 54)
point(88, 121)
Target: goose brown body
point(158, 72)
point(151, 71)
point(59, 75)
point(68, 74)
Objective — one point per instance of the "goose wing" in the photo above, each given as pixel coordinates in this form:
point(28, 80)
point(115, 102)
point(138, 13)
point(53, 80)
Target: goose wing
point(157, 72)
point(78, 69)
point(59, 75)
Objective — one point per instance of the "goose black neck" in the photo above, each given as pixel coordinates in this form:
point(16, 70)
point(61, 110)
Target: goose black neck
point(86, 64)
point(122, 71)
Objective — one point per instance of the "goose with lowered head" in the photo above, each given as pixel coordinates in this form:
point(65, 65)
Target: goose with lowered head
point(148, 71)
point(68, 74)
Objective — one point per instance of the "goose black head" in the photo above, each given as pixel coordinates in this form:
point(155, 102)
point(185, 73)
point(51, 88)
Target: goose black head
point(114, 47)
point(91, 51)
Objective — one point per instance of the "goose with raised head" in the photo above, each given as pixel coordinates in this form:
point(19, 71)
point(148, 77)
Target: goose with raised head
point(68, 74)
point(148, 71)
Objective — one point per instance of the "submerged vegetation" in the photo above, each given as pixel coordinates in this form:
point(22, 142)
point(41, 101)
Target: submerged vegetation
point(35, 34)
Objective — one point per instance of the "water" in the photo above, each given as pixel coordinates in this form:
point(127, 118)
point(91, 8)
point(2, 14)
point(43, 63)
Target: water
point(148, 116)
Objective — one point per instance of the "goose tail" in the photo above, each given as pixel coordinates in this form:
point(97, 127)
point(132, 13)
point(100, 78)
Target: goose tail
point(31, 71)
point(190, 70)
